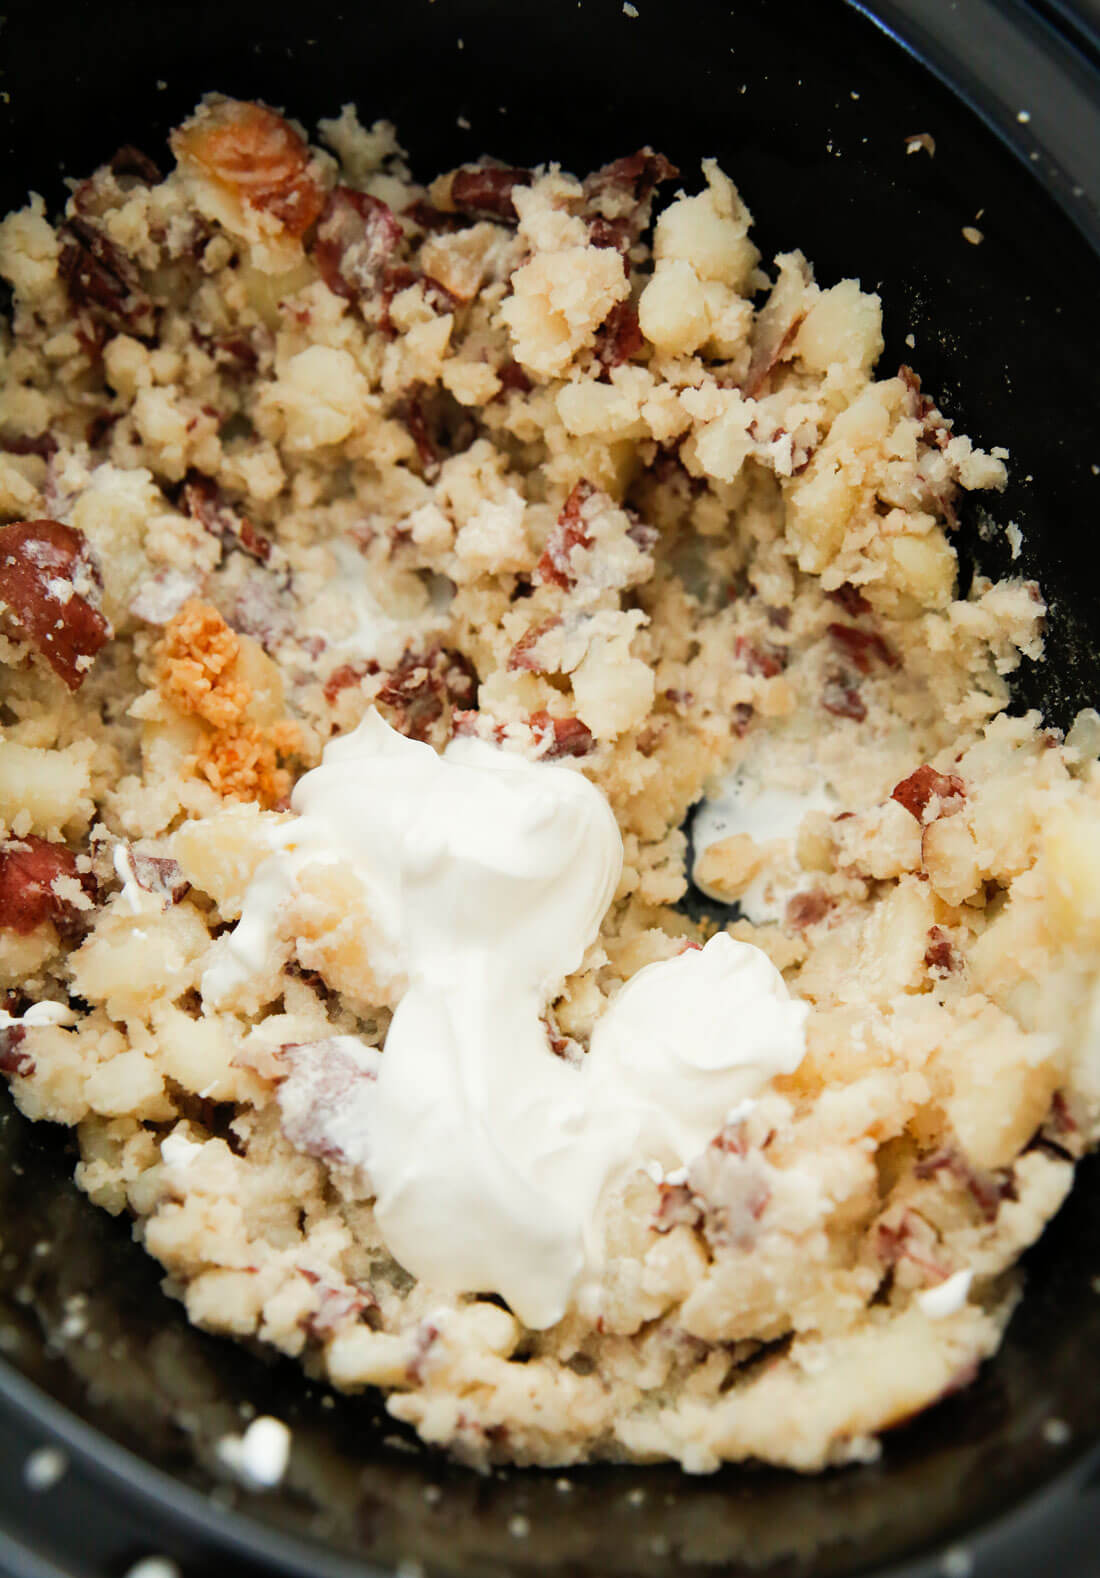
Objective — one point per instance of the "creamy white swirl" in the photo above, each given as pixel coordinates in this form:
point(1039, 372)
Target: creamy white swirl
point(487, 877)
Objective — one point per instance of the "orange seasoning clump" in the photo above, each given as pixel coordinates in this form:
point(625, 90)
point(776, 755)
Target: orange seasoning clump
point(199, 671)
point(197, 666)
point(243, 763)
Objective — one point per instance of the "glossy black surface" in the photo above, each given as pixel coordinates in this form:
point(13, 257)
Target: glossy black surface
point(808, 105)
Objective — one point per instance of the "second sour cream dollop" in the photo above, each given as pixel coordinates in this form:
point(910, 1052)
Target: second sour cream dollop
point(487, 877)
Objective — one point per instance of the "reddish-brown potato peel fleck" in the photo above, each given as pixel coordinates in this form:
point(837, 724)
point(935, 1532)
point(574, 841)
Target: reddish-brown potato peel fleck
point(321, 1079)
point(916, 791)
point(842, 699)
point(485, 191)
point(638, 173)
point(13, 1058)
point(863, 648)
point(523, 654)
point(39, 563)
point(940, 956)
point(102, 282)
point(806, 909)
point(132, 162)
point(205, 502)
point(566, 736)
point(356, 236)
point(419, 688)
point(29, 869)
point(569, 532)
point(760, 657)
point(851, 599)
point(620, 338)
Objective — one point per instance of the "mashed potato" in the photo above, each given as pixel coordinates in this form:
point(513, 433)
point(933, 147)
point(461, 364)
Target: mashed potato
point(286, 435)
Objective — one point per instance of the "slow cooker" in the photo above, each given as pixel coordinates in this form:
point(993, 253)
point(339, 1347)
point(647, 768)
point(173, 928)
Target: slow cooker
point(826, 114)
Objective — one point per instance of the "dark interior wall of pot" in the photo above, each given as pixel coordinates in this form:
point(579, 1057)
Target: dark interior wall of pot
point(809, 107)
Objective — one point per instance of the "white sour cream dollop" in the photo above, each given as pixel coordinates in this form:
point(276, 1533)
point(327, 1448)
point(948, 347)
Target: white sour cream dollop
point(486, 878)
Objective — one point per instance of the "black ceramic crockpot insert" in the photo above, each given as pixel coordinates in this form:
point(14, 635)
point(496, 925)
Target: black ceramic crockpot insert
point(809, 106)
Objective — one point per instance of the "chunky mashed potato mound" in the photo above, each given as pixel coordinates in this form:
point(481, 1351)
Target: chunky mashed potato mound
point(285, 435)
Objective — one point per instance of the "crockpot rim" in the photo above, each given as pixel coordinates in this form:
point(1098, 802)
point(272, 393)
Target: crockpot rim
point(1010, 36)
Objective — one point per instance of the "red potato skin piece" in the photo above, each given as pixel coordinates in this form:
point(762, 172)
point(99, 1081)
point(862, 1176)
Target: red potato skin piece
point(417, 424)
point(563, 736)
point(863, 648)
point(101, 279)
point(763, 658)
point(922, 405)
point(335, 1305)
point(677, 1207)
point(513, 379)
point(523, 655)
point(346, 675)
point(465, 726)
point(568, 533)
point(395, 278)
point(1061, 1117)
point(638, 173)
point(940, 956)
point(427, 1335)
point(766, 356)
point(29, 867)
point(329, 1079)
point(160, 874)
point(485, 191)
point(100, 427)
point(238, 352)
point(987, 1189)
point(916, 791)
point(620, 337)
point(851, 599)
point(842, 699)
point(417, 692)
point(421, 687)
point(806, 909)
point(637, 176)
point(131, 161)
point(901, 1242)
point(32, 555)
point(13, 1059)
point(741, 718)
point(430, 219)
point(356, 236)
point(204, 502)
point(616, 233)
point(641, 534)
point(44, 445)
point(568, 736)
